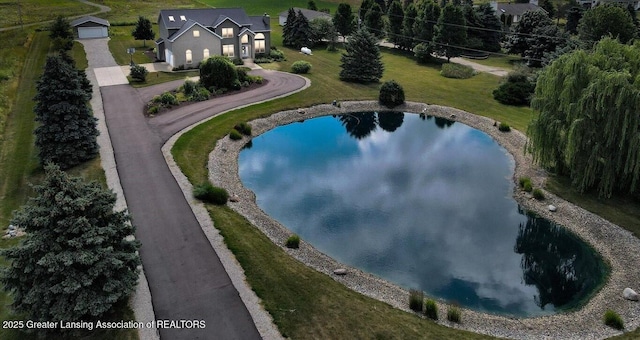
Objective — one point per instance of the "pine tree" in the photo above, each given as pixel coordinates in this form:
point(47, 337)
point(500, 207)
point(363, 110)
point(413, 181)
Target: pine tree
point(373, 21)
point(450, 32)
point(143, 30)
point(396, 16)
point(67, 132)
point(588, 126)
point(361, 61)
point(75, 262)
point(287, 29)
point(61, 34)
point(343, 20)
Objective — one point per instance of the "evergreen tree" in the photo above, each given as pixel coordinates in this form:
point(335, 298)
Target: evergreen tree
point(312, 5)
point(474, 34)
point(75, 262)
point(588, 126)
point(491, 35)
point(410, 13)
point(364, 8)
point(288, 28)
point(545, 39)
point(606, 20)
point(373, 21)
point(302, 35)
point(143, 30)
point(574, 14)
point(67, 132)
point(85, 84)
point(61, 34)
point(425, 23)
point(517, 42)
point(396, 16)
point(343, 20)
point(361, 62)
point(450, 32)
point(548, 6)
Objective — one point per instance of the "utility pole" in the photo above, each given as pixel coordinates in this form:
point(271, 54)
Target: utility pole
point(20, 14)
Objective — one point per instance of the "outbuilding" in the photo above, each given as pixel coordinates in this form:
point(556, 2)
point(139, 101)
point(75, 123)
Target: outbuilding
point(89, 27)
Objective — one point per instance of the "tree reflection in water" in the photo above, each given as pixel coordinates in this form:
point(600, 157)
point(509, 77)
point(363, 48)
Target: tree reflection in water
point(359, 124)
point(390, 121)
point(562, 268)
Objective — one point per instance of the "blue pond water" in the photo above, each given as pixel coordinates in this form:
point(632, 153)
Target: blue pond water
point(422, 202)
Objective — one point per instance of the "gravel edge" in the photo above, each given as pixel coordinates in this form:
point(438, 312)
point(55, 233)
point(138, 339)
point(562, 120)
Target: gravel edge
point(618, 247)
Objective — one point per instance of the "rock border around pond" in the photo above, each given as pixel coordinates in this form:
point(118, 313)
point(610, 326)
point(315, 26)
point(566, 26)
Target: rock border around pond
point(618, 247)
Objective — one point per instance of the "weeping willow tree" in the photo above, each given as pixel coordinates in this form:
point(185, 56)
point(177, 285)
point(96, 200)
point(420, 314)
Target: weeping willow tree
point(589, 118)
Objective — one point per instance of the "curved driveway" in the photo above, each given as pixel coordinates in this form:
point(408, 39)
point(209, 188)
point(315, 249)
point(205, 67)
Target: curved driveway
point(186, 278)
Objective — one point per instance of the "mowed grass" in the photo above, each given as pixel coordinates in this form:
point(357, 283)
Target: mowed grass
point(40, 10)
point(306, 304)
point(162, 77)
point(273, 8)
point(121, 40)
point(127, 11)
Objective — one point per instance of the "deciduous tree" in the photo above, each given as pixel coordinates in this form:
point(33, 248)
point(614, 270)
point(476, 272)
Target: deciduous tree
point(373, 21)
point(588, 126)
point(344, 20)
point(75, 262)
point(451, 33)
point(517, 42)
point(606, 20)
point(396, 16)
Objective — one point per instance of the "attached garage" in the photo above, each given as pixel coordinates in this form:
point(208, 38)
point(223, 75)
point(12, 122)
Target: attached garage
point(90, 27)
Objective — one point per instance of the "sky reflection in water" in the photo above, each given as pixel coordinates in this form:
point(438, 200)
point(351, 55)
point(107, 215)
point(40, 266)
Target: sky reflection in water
point(427, 206)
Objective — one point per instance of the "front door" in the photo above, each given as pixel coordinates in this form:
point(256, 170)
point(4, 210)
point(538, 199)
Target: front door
point(245, 51)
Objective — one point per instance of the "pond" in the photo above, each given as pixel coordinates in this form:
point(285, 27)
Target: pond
point(422, 202)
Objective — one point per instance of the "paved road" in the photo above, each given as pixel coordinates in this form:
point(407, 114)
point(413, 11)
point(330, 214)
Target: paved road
point(186, 277)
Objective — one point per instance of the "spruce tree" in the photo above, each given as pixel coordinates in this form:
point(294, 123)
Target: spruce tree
point(396, 16)
point(67, 132)
point(287, 29)
point(408, 30)
point(75, 262)
point(343, 20)
point(61, 34)
point(361, 61)
point(373, 21)
point(143, 30)
point(302, 35)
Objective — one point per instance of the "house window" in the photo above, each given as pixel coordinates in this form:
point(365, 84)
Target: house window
point(259, 42)
point(227, 32)
point(205, 53)
point(228, 50)
point(171, 18)
point(189, 57)
point(196, 33)
point(245, 39)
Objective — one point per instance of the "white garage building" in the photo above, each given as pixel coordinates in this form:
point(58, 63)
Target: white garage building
point(90, 27)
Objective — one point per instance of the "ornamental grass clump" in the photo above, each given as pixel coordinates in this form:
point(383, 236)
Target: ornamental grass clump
point(235, 135)
point(208, 193)
point(293, 242)
point(538, 194)
point(613, 320)
point(456, 71)
point(504, 127)
point(416, 299)
point(454, 314)
point(243, 128)
point(431, 309)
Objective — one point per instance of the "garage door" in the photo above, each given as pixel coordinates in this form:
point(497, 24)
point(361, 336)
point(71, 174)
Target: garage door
point(90, 32)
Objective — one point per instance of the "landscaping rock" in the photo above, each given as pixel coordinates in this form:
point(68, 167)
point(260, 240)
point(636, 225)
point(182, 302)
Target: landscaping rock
point(340, 271)
point(234, 198)
point(11, 227)
point(630, 294)
point(552, 208)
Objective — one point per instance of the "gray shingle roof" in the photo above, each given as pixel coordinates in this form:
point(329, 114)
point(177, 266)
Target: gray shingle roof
point(260, 23)
point(185, 27)
point(88, 18)
point(210, 17)
point(515, 8)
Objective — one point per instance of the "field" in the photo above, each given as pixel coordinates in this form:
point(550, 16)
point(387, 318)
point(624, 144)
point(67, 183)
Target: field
point(33, 11)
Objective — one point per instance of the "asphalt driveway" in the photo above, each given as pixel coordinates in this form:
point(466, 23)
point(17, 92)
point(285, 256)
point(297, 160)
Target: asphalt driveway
point(185, 275)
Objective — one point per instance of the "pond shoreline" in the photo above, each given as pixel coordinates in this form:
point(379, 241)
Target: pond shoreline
point(618, 247)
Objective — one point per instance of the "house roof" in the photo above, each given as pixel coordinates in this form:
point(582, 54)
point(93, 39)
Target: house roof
point(260, 23)
point(515, 8)
point(210, 17)
point(309, 14)
point(89, 18)
point(186, 27)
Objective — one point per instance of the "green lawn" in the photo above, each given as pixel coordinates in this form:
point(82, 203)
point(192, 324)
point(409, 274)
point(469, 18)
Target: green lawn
point(162, 77)
point(273, 8)
point(39, 10)
point(121, 40)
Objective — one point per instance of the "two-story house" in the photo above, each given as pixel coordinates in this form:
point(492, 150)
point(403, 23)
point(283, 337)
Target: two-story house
point(188, 36)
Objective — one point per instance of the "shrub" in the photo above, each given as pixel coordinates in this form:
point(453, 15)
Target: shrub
point(523, 180)
point(528, 187)
point(200, 94)
point(504, 127)
point(538, 194)
point(456, 71)
point(516, 90)
point(276, 54)
point(301, 67)
point(157, 99)
point(422, 52)
point(431, 309)
point(453, 314)
point(243, 128)
point(189, 87)
point(138, 72)
point(168, 99)
point(235, 135)
point(391, 94)
point(613, 320)
point(218, 71)
point(210, 194)
point(416, 298)
point(153, 110)
point(242, 74)
point(237, 61)
point(293, 241)
point(262, 60)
